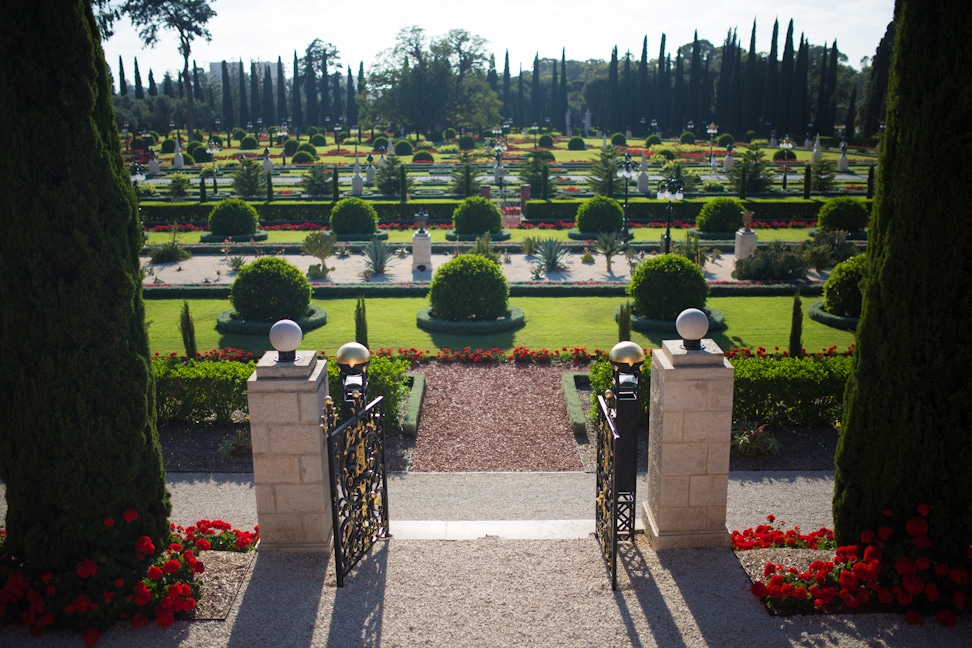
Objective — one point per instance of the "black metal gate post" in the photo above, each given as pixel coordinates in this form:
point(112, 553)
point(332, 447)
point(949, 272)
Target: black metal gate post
point(606, 502)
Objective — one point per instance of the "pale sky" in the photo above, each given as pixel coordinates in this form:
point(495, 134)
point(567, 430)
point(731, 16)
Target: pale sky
point(261, 30)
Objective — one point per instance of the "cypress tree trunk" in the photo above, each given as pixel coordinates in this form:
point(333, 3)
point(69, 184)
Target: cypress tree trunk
point(335, 185)
point(78, 440)
point(202, 189)
point(907, 432)
point(806, 182)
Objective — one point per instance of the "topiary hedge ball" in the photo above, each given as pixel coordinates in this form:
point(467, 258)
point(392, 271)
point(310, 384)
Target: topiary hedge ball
point(842, 213)
point(380, 142)
point(546, 156)
point(688, 137)
point(720, 215)
point(248, 143)
point(618, 139)
point(403, 147)
point(842, 291)
point(290, 146)
point(168, 145)
point(726, 139)
point(600, 214)
point(422, 156)
point(467, 143)
point(576, 143)
point(545, 141)
point(652, 140)
point(318, 140)
point(476, 215)
point(312, 130)
point(187, 159)
point(665, 285)
point(449, 134)
point(238, 134)
point(307, 147)
point(353, 216)
point(270, 289)
point(233, 217)
point(469, 287)
point(301, 157)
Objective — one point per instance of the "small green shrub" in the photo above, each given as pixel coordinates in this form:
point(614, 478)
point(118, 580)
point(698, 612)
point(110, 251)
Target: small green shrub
point(600, 214)
point(546, 156)
point(318, 140)
point(576, 144)
point(469, 287)
point(194, 146)
point(200, 392)
point(290, 147)
point(805, 392)
point(652, 140)
point(233, 217)
point(842, 291)
point(168, 145)
point(476, 215)
point(308, 148)
point(749, 136)
point(380, 142)
point(302, 157)
point(422, 156)
point(688, 137)
point(353, 216)
point(403, 147)
point(775, 262)
point(784, 154)
point(179, 185)
point(188, 160)
point(238, 134)
point(168, 252)
point(751, 439)
point(720, 215)
point(666, 152)
point(725, 140)
point(618, 139)
point(249, 143)
point(665, 285)
point(201, 156)
point(449, 134)
point(270, 289)
point(545, 141)
point(316, 181)
point(386, 378)
point(842, 213)
point(312, 131)
point(467, 143)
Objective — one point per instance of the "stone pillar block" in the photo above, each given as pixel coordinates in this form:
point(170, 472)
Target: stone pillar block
point(290, 469)
point(357, 185)
point(690, 427)
point(525, 196)
point(421, 252)
point(484, 191)
point(745, 243)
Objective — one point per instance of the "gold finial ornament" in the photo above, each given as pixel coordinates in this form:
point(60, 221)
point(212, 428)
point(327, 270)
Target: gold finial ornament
point(352, 354)
point(628, 353)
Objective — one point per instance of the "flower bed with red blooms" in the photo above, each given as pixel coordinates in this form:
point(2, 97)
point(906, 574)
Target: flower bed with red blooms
point(918, 565)
point(129, 579)
point(227, 354)
point(574, 355)
point(180, 227)
point(743, 353)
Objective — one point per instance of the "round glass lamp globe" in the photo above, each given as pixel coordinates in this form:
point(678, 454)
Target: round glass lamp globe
point(286, 335)
point(692, 324)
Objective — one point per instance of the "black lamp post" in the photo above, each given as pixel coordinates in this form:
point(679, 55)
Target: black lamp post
point(711, 129)
point(627, 170)
point(499, 145)
point(786, 145)
point(352, 360)
point(670, 189)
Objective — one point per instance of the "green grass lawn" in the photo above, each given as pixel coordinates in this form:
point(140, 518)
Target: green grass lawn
point(552, 322)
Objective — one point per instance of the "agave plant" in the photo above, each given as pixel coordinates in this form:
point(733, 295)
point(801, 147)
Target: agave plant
point(378, 256)
point(608, 244)
point(551, 254)
point(529, 245)
point(750, 439)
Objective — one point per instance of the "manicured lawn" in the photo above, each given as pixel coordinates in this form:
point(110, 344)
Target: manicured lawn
point(552, 322)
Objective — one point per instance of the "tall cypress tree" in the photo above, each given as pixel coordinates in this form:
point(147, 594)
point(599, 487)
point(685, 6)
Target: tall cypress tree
point(751, 86)
point(521, 115)
point(906, 438)
point(693, 110)
point(256, 106)
point(782, 124)
point(313, 117)
point(325, 104)
point(832, 88)
point(269, 112)
point(153, 89)
point(771, 87)
point(167, 89)
point(282, 111)
point(725, 78)
point(564, 104)
point(337, 108)
point(491, 77)
point(678, 94)
point(850, 121)
point(876, 87)
point(122, 84)
point(139, 90)
point(507, 92)
point(627, 94)
point(643, 91)
point(197, 90)
point(244, 111)
point(553, 101)
point(228, 114)
point(823, 102)
point(610, 118)
point(799, 102)
point(536, 96)
point(79, 443)
point(295, 102)
point(352, 109)
point(662, 97)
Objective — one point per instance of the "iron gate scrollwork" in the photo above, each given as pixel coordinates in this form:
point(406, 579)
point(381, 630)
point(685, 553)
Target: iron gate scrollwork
point(359, 491)
point(614, 511)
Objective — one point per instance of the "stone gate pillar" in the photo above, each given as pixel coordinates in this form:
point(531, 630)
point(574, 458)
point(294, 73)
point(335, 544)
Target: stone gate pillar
point(689, 432)
point(286, 395)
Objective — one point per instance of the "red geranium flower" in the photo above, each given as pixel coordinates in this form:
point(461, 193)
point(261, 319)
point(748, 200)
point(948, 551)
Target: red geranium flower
point(109, 522)
point(130, 515)
point(171, 566)
point(144, 545)
point(91, 636)
point(154, 572)
point(916, 526)
point(913, 617)
point(87, 568)
point(923, 509)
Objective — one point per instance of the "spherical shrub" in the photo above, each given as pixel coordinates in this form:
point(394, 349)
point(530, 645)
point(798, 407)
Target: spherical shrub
point(467, 143)
point(469, 287)
point(403, 147)
point(270, 289)
point(725, 139)
point(545, 141)
point(783, 154)
point(168, 145)
point(449, 134)
point(188, 160)
point(138, 143)
point(688, 137)
point(476, 215)
point(600, 214)
point(576, 143)
point(290, 146)
point(312, 130)
point(750, 136)
point(422, 156)
point(842, 213)
point(353, 216)
point(233, 217)
point(201, 155)
point(193, 146)
point(665, 285)
point(666, 152)
point(238, 134)
point(380, 142)
point(618, 139)
point(248, 143)
point(343, 135)
point(842, 292)
point(546, 156)
point(720, 215)
point(653, 140)
point(318, 140)
point(301, 157)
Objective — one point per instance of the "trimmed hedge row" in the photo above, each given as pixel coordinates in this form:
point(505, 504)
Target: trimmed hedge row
point(200, 392)
point(685, 210)
point(298, 211)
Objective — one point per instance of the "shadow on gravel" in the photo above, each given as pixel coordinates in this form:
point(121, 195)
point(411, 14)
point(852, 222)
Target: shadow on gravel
point(651, 600)
point(359, 606)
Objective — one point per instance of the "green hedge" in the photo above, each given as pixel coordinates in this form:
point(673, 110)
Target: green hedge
point(387, 377)
point(200, 392)
point(298, 211)
point(685, 210)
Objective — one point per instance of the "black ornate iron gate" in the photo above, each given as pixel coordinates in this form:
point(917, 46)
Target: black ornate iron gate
point(614, 511)
point(359, 491)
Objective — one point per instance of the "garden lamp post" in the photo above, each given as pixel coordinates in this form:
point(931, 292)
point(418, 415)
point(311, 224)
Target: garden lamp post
point(213, 149)
point(535, 134)
point(711, 129)
point(171, 128)
point(259, 129)
point(670, 189)
point(628, 171)
point(627, 359)
point(786, 145)
point(352, 360)
point(654, 126)
point(690, 126)
point(137, 175)
point(128, 136)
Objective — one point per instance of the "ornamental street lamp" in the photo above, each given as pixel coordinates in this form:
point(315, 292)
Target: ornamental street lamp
point(213, 148)
point(128, 136)
point(627, 170)
point(711, 129)
point(137, 175)
point(786, 145)
point(499, 146)
point(654, 126)
point(670, 189)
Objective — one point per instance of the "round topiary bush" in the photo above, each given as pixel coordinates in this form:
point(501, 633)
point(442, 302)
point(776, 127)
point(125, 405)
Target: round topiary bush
point(476, 215)
point(312, 130)
point(318, 140)
point(688, 137)
point(750, 136)
point(665, 285)
point(422, 156)
point(403, 147)
point(191, 148)
point(726, 139)
point(168, 145)
point(238, 134)
point(842, 213)
point(576, 143)
point(467, 143)
point(842, 291)
point(449, 134)
point(784, 154)
point(353, 216)
point(546, 156)
point(307, 147)
point(618, 139)
point(188, 160)
point(469, 287)
point(233, 217)
point(290, 146)
point(248, 143)
point(380, 142)
point(720, 215)
point(270, 289)
point(201, 155)
point(652, 140)
point(301, 157)
point(600, 214)
point(546, 141)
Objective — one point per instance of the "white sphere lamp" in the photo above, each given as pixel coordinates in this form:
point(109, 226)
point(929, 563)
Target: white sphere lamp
point(692, 324)
point(285, 336)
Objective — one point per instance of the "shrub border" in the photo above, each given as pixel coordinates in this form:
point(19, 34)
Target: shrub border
point(260, 235)
point(817, 313)
point(575, 234)
point(717, 322)
point(226, 323)
point(502, 235)
point(712, 236)
point(425, 321)
point(413, 407)
point(576, 412)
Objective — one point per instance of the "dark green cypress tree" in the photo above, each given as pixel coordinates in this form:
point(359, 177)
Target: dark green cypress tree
point(228, 114)
point(313, 117)
point(627, 82)
point(564, 105)
point(770, 87)
point(282, 111)
point(799, 103)
point(122, 84)
point(507, 92)
point(361, 322)
point(678, 95)
point(870, 182)
point(823, 97)
point(643, 91)
point(244, 111)
point(256, 106)
point(197, 89)
point(785, 96)
point(693, 108)
point(335, 185)
point(832, 89)
point(807, 178)
point(269, 112)
point(269, 187)
point(187, 326)
point(295, 102)
point(876, 87)
point(520, 111)
point(723, 98)
point(139, 90)
point(153, 89)
point(906, 437)
point(751, 87)
point(850, 121)
point(796, 327)
point(491, 77)
point(79, 442)
point(202, 189)
point(351, 113)
point(167, 85)
point(610, 116)
point(536, 96)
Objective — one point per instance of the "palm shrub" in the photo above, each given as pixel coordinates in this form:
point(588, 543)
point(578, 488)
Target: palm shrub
point(476, 215)
point(462, 180)
point(248, 179)
point(600, 214)
point(315, 182)
point(270, 289)
point(842, 290)
point(665, 285)
point(469, 287)
point(534, 171)
point(603, 172)
point(775, 262)
point(484, 247)
point(842, 213)
point(720, 215)
point(188, 330)
point(609, 245)
point(361, 322)
point(752, 164)
point(233, 217)
point(353, 216)
point(529, 245)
